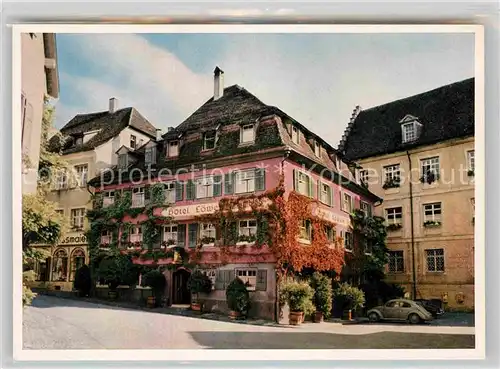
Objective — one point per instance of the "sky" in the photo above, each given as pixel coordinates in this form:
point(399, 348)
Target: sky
point(318, 79)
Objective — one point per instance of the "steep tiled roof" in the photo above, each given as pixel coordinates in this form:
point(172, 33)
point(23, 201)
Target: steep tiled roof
point(445, 113)
point(107, 124)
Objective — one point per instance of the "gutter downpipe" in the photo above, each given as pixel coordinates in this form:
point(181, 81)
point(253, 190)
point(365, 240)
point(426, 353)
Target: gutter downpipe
point(414, 272)
point(277, 300)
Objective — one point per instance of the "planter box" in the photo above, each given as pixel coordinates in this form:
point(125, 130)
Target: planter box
point(233, 315)
point(295, 317)
point(318, 317)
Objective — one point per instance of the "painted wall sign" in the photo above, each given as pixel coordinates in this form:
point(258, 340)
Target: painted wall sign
point(74, 239)
point(332, 217)
point(191, 210)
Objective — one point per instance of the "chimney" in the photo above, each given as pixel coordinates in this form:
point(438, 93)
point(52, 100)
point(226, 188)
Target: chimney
point(218, 83)
point(113, 105)
point(158, 134)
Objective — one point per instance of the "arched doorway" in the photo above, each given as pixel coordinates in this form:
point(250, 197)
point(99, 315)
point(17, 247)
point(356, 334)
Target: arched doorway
point(180, 291)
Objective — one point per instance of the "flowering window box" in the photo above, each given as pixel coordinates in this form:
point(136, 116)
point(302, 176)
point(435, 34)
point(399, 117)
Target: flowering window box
point(391, 183)
point(394, 227)
point(432, 223)
point(429, 178)
point(246, 240)
point(207, 241)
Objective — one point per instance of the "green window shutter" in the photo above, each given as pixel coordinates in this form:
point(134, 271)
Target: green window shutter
point(233, 233)
point(295, 180)
point(147, 194)
point(261, 280)
point(179, 191)
point(228, 277)
point(219, 280)
point(260, 179)
point(181, 235)
point(190, 190)
point(263, 227)
point(217, 186)
point(318, 189)
point(311, 186)
point(331, 195)
point(228, 183)
point(193, 234)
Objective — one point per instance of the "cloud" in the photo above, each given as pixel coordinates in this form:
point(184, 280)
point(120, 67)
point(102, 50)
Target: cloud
point(138, 74)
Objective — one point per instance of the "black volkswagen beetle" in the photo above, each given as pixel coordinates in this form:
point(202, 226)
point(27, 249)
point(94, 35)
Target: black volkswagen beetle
point(432, 306)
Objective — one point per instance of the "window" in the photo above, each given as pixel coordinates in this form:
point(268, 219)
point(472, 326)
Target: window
point(363, 176)
point(394, 215)
point(317, 149)
point(137, 197)
point(330, 233)
point(204, 187)
point(133, 141)
point(82, 173)
point(409, 132)
point(173, 148)
point(430, 167)
point(207, 233)
point(471, 164)
point(302, 183)
point(247, 133)
point(347, 204)
point(432, 212)
point(366, 208)
point(396, 262)
point(211, 274)
point(62, 180)
point(106, 237)
point(123, 161)
point(77, 261)
point(348, 241)
point(295, 135)
point(392, 174)
point(170, 234)
point(325, 195)
point(108, 198)
point(60, 266)
point(136, 234)
point(245, 181)
point(247, 228)
point(209, 140)
point(248, 276)
point(150, 155)
point(77, 218)
point(169, 192)
point(435, 260)
point(305, 230)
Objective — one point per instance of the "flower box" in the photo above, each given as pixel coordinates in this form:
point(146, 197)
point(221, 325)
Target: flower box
point(394, 227)
point(432, 223)
point(391, 183)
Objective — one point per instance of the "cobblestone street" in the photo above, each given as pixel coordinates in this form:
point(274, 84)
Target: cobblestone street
point(55, 323)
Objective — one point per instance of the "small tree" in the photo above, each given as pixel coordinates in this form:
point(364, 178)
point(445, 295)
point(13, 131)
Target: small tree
point(237, 297)
point(348, 297)
point(323, 293)
point(299, 296)
point(199, 282)
point(116, 270)
point(156, 280)
point(83, 282)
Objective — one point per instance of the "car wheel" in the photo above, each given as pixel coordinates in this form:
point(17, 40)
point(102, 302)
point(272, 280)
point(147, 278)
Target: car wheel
point(373, 317)
point(414, 319)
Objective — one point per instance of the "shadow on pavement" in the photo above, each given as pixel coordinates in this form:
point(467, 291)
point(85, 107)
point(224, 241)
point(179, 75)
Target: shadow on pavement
point(306, 340)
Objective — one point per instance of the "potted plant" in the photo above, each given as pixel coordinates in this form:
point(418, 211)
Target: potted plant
point(432, 223)
point(323, 295)
point(83, 281)
point(238, 299)
point(156, 280)
point(394, 226)
point(299, 297)
point(348, 299)
point(198, 282)
point(392, 182)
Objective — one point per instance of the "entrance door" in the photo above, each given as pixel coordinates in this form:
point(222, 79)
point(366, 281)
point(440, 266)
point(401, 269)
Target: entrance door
point(181, 294)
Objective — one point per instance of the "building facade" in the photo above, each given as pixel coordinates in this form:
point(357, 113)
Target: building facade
point(88, 143)
point(418, 154)
point(234, 149)
point(39, 78)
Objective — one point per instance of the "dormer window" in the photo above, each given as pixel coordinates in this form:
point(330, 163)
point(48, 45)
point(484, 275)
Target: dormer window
point(123, 161)
point(209, 140)
point(173, 148)
point(150, 155)
point(133, 141)
point(410, 129)
point(295, 135)
point(317, 149)
point(247, 133)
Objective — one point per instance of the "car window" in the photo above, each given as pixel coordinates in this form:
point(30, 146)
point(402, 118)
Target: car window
point(406, 305)
point(392, 304)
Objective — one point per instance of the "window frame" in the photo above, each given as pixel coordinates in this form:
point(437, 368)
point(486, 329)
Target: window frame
point(80, 216)
point(138, 192)
point(242, 133)
point(246, 278)
point(170, 144)
point(207, 138)
point(305, 227)
point(83, 176)
point(133, 142)
point(317, 149)
point(348, 241)
point(392, 172)
point(393, 220)
point(171, 232)
point(396, 257)
point(305, 181)
point(136, 234)
point(434, 217)
point(151, 151)
point(210, 229)
point(431, 163)
point(328, 193)
point(351, 202)
point(250, 179)
point(123, 161)
point(295, 135)
point(406, 132)
point(471, 160)
point(364, 204)
point(208, 186)
point(433, 254)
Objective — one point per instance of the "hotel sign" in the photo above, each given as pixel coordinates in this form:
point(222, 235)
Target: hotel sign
point(189, 211)
point(332, 217)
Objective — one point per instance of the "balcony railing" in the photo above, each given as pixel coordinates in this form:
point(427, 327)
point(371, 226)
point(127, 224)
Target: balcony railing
point(138, 200)
point(108, 201)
